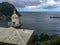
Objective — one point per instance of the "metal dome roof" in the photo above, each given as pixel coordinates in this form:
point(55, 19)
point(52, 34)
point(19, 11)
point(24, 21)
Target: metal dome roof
point(15, 16)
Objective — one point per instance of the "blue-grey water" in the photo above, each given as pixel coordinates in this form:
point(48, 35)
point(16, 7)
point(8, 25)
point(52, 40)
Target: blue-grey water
point(41, 22)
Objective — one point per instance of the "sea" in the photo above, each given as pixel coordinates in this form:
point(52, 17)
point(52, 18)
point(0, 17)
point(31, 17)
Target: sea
point(41, 22)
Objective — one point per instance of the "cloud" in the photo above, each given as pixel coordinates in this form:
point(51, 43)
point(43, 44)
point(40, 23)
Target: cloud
point(34, 4)
point(45, 4)
point(22, 3)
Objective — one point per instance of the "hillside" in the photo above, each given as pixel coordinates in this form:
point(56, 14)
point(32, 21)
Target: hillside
point(6, 9)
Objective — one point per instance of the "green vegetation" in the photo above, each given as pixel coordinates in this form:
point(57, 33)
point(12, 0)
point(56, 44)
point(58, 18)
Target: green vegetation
point(45, 39)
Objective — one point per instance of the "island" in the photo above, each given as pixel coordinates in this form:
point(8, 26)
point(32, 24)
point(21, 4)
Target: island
point(54, 17)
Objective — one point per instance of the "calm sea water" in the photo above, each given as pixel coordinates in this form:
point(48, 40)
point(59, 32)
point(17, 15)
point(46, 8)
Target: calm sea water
point(41, 22)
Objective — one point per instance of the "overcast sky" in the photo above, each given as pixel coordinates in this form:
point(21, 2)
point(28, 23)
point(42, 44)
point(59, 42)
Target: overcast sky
point(35, 5)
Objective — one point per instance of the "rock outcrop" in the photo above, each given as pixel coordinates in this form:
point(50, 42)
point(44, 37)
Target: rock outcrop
point(6, 9)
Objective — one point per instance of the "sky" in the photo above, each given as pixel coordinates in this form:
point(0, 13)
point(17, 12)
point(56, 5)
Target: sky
point(35, 5)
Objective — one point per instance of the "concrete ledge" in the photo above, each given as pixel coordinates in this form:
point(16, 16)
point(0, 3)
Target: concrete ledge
point(15, 36)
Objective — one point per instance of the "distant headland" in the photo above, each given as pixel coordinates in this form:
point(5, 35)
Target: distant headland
point(6, 10)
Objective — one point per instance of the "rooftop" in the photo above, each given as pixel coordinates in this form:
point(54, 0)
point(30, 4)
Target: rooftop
point(15, 36)
point(15, 15)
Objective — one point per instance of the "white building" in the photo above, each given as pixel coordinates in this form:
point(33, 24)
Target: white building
point(15, 22)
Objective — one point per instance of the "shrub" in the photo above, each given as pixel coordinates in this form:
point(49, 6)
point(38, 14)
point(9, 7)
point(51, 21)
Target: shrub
point(45, 39)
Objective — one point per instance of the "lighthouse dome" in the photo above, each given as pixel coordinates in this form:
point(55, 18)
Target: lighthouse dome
point(15, 16)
